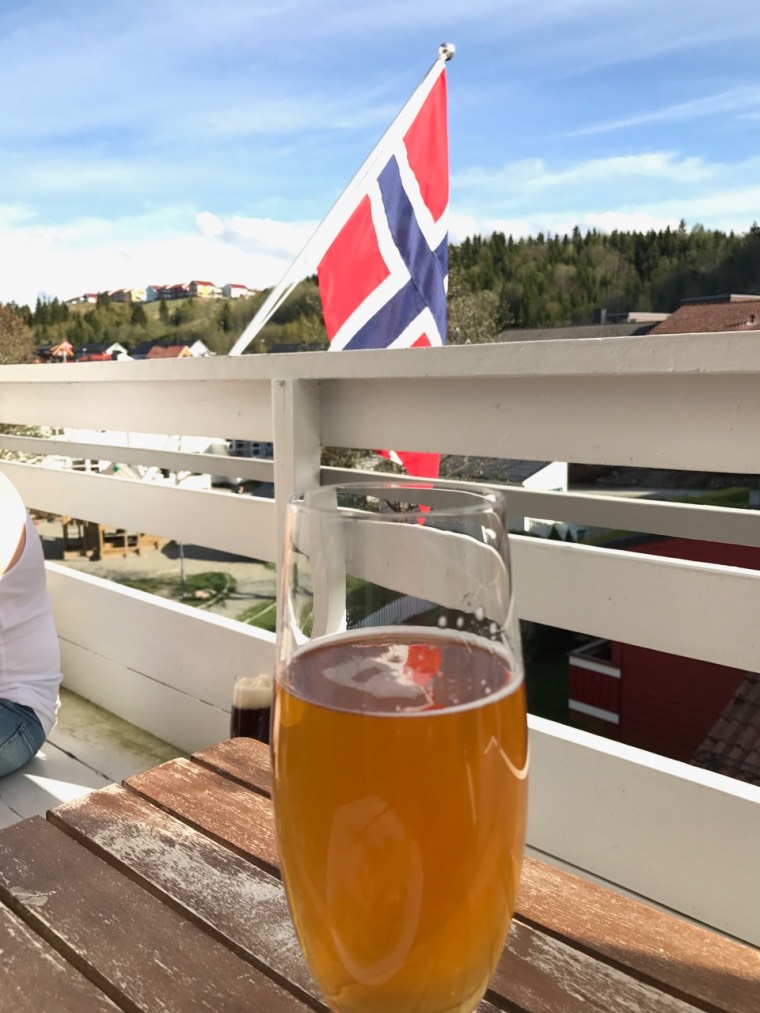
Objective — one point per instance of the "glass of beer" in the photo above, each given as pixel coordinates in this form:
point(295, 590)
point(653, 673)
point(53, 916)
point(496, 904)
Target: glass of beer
point(399, 742)
point(251, 707)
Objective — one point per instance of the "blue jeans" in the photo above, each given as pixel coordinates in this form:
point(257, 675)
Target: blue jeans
point(21, 735)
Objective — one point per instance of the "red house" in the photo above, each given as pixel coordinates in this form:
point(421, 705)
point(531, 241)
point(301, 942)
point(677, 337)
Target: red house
point(664, 703)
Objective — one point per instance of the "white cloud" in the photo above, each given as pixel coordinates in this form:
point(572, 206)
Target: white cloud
point(534, 174)
point(743, 100)
point(174, 244)
point(10, 214)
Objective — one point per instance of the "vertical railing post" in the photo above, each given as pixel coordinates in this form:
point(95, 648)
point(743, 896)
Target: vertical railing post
point(297, 444)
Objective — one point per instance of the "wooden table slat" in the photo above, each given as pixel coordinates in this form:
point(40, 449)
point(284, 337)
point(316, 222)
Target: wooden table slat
point(544, 975)
point(58, 989)
point(689, 959)
point(231, 897)
point(229, 813)
point(246, 761)
point(140, 952)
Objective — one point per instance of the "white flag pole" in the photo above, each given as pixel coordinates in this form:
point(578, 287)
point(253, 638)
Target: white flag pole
point(333, 221)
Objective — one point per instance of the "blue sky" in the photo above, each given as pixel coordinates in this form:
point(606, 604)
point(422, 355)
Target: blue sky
point(159, 142)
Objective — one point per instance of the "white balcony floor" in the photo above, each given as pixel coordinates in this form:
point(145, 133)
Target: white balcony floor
point(89, 748)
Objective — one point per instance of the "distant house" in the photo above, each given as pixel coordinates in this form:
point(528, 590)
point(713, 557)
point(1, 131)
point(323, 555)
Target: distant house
point(155, 292)
point(129, 295)
point(164, 349)
point(623, 325)
point(87, 297)
point(169, 352)
point(101, 351)
point(713, 314)
point(199, 348)
point(201, 289)
point(233, 291)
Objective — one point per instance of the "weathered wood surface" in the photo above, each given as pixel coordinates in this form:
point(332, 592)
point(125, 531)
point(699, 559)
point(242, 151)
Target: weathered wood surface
point(229, 896)
point(165, 894)
point(140, 952)
point(541, 974)
point(227, 812)
point(690, 962)
point(36, 979)
point(244, 760)
point(686, 958)
point(246, 908)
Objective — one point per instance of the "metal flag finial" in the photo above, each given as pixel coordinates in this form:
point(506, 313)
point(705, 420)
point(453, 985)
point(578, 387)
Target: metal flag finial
point(446, 50)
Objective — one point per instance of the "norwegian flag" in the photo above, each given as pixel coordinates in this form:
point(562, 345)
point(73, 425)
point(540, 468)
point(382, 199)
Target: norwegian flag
point(383, 279)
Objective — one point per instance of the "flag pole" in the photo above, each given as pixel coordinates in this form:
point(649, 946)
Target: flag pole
point(329, 227)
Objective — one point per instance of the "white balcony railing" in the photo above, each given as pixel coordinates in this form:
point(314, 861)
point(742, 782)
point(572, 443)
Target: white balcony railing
point(685, 837)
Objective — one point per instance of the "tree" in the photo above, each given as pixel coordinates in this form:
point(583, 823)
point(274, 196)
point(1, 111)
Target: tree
point(138, 317)
point(225, 317)
point(163, 312)
point(16, 338)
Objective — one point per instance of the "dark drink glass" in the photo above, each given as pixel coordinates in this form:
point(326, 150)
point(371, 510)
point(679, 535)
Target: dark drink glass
point(252, 707)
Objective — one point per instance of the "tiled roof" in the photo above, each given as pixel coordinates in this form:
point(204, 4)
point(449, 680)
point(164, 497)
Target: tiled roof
point(166, 351)
point(732, 746)
point(486, 469)
point(706, 317)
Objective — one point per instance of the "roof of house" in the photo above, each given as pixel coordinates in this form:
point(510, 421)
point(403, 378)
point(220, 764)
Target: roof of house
point(195, 282)
point(167, 351)
point(732, 746)
point(609, 330)
point(510, 472)
point(724, 313)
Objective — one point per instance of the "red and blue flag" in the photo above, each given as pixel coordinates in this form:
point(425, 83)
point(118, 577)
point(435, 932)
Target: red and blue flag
point(383, 278)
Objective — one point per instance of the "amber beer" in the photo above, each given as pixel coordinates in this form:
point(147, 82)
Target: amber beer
point(400, 796)
point(252, 707)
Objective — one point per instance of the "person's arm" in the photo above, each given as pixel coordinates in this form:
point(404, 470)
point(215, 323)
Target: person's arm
point(12, 524)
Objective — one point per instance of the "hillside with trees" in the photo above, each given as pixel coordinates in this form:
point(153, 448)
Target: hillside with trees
point(495, 283)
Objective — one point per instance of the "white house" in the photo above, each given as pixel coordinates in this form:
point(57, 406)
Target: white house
point(232, 291)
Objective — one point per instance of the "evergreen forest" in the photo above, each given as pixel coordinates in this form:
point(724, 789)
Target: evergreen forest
point(496, 283)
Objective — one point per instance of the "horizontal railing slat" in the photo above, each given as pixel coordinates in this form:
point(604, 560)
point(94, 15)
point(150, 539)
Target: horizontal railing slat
point(690, 422)
point(222, 408)
point(170, 460)
point(167, 649)
point(647, 355)
point(698, 610)
point(677, 834)
point(633, 512)
point(243, 525)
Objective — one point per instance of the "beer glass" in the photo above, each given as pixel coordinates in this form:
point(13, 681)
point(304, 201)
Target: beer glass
point(399, 742)
point(251, 707)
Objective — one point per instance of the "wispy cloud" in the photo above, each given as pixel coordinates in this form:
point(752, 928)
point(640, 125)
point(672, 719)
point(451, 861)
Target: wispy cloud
point(744, 100)
point(535, 174)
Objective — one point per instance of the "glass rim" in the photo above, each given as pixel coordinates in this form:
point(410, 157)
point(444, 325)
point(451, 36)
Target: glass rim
point(485, 498)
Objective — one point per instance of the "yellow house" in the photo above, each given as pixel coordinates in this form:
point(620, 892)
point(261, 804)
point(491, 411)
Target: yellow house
point(202, 289)
point(128, 295)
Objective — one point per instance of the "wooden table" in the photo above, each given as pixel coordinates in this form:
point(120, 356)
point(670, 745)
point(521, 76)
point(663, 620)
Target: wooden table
point(164, 895)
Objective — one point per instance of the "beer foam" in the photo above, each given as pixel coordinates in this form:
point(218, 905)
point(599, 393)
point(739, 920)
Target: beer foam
point(253, 692)
point(371, 671)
